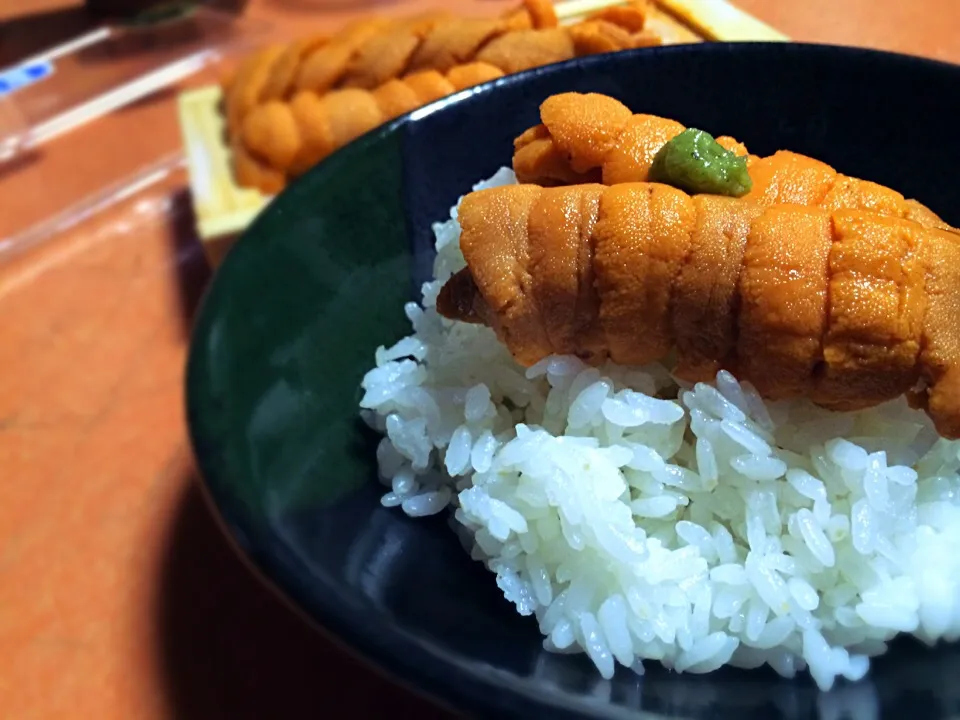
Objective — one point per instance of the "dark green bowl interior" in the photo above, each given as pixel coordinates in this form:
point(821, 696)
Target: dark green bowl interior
point(291, 321)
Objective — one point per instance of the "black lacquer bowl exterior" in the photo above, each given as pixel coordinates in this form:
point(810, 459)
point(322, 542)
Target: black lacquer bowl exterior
point(291, 320)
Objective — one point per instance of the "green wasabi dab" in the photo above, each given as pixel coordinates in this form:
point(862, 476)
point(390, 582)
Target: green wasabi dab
point(696, 163)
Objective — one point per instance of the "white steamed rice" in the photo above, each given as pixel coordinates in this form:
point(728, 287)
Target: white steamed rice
point(640, 520)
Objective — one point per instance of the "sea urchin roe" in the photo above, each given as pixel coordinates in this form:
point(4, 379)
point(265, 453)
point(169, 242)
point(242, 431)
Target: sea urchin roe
point(696, 163)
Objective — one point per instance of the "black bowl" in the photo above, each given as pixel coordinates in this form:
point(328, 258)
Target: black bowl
point(290, 323)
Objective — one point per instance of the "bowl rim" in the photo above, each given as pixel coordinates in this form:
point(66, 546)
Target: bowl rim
point(418, 667)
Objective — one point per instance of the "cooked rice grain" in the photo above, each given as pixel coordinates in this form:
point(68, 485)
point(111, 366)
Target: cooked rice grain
point(705, 529)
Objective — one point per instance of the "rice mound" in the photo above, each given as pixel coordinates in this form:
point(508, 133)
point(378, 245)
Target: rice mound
point(639, 519)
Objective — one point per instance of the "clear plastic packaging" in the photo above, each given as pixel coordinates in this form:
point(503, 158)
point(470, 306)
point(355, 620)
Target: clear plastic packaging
point(58, 166)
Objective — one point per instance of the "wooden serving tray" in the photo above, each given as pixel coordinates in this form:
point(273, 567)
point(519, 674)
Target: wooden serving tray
point(223, 209)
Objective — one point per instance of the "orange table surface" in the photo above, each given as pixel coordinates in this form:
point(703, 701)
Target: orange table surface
point(119, 597)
